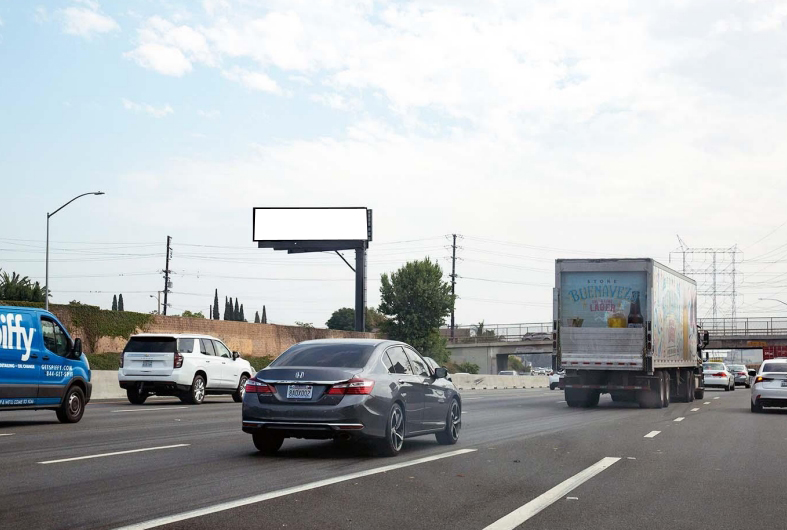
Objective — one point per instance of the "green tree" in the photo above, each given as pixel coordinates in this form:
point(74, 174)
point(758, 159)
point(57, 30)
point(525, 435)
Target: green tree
point(256, 317)
point(114, 302)
point(468, 367)
point(189, 314)
point(120, 303)
point(304, 324)
point(417, 300)
point(236, 311)
point(514, 363)
point(215, 315)
point(242, 316)
point(227, 309)
point(20, 288)
point(343, 319)
point(264, 319)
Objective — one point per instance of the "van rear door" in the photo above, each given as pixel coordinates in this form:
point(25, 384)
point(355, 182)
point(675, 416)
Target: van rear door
point(150, 356)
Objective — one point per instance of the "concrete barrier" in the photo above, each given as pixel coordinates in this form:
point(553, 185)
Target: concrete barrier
point(478, 382)
point(105, 383)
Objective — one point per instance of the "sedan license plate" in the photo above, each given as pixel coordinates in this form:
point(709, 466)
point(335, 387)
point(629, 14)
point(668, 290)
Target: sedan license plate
point(147, 364)
point(299, 392)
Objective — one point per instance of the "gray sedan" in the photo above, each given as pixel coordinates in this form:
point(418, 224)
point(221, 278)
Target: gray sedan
point(351, 389)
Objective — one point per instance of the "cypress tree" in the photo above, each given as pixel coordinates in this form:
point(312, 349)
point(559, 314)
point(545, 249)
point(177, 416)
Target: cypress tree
point(227, 309)
point(215, 314)
point(120, 303)
point(264, 316)
point(242, 316)
point(236, 311)
point(114, 302)
point(256, 317)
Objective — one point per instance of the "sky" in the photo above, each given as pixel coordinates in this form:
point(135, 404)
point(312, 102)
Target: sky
point(532, 130)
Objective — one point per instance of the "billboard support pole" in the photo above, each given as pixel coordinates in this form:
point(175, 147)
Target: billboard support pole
point(360, 288)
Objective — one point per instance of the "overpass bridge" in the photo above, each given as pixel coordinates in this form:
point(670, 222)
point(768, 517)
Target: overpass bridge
point(490, 346)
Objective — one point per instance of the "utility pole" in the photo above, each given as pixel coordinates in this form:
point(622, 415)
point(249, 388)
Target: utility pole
point(166, 275)
point(453, 284)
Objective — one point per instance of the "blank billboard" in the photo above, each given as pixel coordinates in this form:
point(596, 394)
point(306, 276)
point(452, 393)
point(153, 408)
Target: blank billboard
point(310, 224)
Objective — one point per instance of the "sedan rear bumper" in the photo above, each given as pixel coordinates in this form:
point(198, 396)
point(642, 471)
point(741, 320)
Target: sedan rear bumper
point(309, 430)
point(769, 397)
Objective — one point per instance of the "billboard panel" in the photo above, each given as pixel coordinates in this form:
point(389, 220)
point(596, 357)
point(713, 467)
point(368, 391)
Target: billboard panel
point(310, 224)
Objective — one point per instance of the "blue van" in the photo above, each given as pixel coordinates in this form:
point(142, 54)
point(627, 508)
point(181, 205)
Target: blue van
point(41, 367)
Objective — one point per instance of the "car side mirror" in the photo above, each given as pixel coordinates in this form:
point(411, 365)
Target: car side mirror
point(76, 350)
point(753, 373)
point(705, 338)
point(235, 355)
point(441, 373)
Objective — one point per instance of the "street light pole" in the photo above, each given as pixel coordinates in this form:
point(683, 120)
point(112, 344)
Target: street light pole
point(48, 215)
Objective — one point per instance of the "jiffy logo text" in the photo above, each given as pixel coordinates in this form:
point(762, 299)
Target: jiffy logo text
point(13, 336)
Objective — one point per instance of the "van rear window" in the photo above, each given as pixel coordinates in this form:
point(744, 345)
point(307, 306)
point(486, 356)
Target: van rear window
point(151, 345)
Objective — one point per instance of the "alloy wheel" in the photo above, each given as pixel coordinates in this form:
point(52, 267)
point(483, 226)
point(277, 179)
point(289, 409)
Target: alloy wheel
point(397, 428)
point(199, 389)
point(456, 419)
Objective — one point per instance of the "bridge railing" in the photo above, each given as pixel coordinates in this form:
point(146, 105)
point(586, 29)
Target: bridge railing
point(745, 326)
point(474, 334)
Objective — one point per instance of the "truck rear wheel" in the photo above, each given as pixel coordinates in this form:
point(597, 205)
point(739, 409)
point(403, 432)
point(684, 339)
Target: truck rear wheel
point(575, 397)
point(653, 397)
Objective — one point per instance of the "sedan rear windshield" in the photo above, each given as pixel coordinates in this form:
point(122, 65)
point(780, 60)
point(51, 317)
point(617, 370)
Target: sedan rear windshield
point(774, 367)
point(151, 345)
point(737, 367)
point(326, 355)
point(713, 366)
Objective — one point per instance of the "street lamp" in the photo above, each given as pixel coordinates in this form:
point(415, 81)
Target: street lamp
point(48, 215)
point(774, 300)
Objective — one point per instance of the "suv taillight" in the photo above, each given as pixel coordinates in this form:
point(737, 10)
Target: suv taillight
point(355, 386)
point(177, 362)
point(122, 356)
point(254, 386)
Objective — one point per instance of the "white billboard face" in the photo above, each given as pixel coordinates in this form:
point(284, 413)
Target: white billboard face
point(310, 224)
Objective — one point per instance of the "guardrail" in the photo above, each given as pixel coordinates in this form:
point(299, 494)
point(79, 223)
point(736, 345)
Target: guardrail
point(744, 326)
point(499, 333)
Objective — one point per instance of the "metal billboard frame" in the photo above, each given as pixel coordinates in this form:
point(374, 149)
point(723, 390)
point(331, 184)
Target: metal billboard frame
point(301, 246)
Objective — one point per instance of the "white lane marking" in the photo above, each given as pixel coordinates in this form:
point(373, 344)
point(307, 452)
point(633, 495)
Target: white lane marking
point(562, 401)
point(522, 514)
point(717, 397)
point(652, 434)
point(149, 409)
point(101, 455)
point(695, 410)
point(706, 403)
point(572, 498)
point(287, 491)
point(8, 434)
point(679, 419)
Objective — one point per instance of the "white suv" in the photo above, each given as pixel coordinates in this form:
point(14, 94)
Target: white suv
point(187, 366)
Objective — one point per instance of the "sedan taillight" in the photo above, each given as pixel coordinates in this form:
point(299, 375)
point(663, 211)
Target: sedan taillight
point(761, 379)
point(177, 361)
point(355, 386)
point(254, 386)
point(720, 374)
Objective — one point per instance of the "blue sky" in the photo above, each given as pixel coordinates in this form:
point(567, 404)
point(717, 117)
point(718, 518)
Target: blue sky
point(537, 130)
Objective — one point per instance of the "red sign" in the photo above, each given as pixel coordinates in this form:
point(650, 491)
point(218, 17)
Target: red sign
point(773, 352)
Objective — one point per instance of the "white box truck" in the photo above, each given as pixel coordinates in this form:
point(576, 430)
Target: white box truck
point(627, 327)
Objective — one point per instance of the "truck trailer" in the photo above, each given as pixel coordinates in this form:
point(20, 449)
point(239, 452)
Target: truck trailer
point(627, 327)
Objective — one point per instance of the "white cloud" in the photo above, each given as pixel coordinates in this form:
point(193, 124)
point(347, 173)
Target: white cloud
point(166, 60)
point(170, 49)
point(156, 112)
point(252, 80)
point(86, 21)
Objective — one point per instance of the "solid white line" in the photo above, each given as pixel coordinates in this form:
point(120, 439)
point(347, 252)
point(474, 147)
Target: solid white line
point(113, 454)
point(149, 409)
point(679, 419)
point(287, 491)
point(706, 403)
point(522, 514)
point(652, 434)
point(7, 434)
point(695, 410)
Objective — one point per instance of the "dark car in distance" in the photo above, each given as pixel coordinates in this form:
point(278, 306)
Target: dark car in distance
point(351, 389)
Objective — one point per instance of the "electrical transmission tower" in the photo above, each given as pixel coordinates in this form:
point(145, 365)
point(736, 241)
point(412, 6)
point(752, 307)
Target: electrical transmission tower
point(716, 272)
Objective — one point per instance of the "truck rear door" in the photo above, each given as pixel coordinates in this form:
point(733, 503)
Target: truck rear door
point(150, 356)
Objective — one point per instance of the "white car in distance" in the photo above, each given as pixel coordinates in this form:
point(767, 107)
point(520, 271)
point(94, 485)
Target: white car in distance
point(769, 385)
point(187, 366)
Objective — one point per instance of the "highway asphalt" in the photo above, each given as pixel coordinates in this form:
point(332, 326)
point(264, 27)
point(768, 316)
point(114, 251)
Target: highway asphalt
point(524, 459)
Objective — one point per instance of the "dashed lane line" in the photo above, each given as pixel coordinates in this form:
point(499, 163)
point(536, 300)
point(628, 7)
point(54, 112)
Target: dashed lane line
point(288, 491)
point(695, 410)
point(522, 514)
point(679, 419)
point(7, 434)
point(706, 403)
point(115, 453)
point(652, 434)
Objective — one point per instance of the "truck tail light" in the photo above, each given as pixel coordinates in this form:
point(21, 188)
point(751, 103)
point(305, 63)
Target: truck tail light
point(355, 386)
point(255, 386)
point(177, 361)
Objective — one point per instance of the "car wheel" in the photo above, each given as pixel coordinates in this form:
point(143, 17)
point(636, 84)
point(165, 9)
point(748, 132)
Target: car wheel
point(727, 388)
point(73, 406)
point(733, 387)
point(552, 386)
point(136, 396)
point(394, 432)
point(747, 385)
point(756, 407)
point(197, 391)
point(453, 425)
point(237, 396)
point(267, 444)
